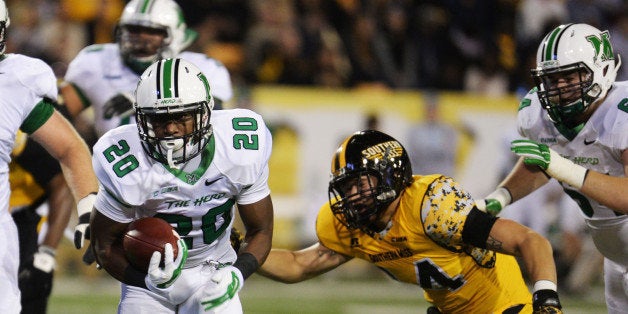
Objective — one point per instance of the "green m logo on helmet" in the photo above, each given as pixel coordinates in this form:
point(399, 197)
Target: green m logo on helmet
point(602, 45)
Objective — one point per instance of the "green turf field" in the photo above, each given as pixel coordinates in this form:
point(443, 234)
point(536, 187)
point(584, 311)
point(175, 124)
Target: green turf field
point(328, 294)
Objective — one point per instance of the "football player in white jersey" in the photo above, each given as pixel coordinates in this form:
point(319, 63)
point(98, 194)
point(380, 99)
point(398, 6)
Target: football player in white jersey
point(575, 122)
point(104, 75)
point(189, 165)
point(29, 88)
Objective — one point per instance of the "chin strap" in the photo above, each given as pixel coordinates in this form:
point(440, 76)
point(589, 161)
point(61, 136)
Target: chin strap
point(170, 161)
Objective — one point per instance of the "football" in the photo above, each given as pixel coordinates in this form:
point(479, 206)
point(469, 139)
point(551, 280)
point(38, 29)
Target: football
point(145, 236)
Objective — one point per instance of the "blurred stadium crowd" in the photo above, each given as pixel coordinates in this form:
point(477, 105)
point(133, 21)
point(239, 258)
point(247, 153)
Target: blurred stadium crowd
point(482, 46)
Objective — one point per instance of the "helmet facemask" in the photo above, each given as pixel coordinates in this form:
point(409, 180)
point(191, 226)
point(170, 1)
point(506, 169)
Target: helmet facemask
point(360, 199)
point(174, 150)
point(369, 171)
point(583, 56)
point(161, 17)
point(140, 45)
point(566, 103)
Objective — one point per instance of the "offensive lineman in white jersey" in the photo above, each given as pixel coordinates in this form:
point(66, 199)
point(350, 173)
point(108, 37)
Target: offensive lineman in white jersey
point(29, 89)
point(105, 75)
point(189, 165)
point(576, 125)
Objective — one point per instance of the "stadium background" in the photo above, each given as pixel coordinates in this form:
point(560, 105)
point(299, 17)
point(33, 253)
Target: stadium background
point(313, 70)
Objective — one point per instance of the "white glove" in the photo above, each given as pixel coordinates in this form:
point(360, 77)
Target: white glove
point(229, 282)
point(84, 208)
point(161, 278)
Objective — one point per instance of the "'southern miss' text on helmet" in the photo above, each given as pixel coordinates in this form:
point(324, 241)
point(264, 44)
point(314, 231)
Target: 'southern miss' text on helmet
point(173, 87)
point(4, 24)
point(570, 49)
point(161, 15)
point(369, 155)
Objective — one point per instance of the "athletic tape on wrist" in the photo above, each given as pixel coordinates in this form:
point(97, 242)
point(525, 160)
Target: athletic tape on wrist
point(566, 171)
point(544, 285)
point(502, 195)
point(86, 204)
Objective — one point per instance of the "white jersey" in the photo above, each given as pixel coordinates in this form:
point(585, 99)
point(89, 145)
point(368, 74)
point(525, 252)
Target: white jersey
point(598, 146)
point(24, 83)
point(99, 73)
point(199, 204)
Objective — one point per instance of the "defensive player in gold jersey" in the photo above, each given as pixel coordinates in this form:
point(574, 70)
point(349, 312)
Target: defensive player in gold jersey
point(423, 230)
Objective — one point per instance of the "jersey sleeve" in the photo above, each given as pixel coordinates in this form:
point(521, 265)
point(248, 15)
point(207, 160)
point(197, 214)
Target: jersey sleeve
point(444, 211)
point(259, 169)
point(81, 71)
point(112, 199)
point(40, 79)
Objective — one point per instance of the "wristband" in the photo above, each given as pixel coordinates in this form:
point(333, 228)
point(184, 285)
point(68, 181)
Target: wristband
point(247, 264)
point(86, 204)
point(564, 170)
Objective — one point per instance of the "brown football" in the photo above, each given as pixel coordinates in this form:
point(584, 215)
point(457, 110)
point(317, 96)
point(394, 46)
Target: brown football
point(145, 236)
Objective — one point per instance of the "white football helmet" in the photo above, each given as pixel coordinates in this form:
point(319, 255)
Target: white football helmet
point(4, 24)
point(160, 15)
point(168, 90)
point(569, 49)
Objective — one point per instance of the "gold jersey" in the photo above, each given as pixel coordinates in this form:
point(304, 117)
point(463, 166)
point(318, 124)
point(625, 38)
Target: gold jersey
point(424, 247)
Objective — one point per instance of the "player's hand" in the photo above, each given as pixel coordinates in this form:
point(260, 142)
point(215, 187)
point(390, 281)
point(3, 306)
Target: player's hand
point(558, 167)
point(489, 205)
point(119, 105)
point(236, 238)
point(163, 277)
point(35, 278)
point(546, 302)
point(81, 231)
point(228, 281)
point(494, 202)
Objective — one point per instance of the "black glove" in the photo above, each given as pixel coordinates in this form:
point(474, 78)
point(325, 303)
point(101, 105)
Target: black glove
point(236, 239)
point(433, 310)
point(35, 276)
point(546, 302)
point(119, 105)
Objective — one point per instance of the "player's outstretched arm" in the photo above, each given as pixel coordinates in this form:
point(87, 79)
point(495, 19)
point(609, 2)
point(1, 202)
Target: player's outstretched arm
point(607, 190)
point(62, 141)
point(512, 238)
point(296, 266)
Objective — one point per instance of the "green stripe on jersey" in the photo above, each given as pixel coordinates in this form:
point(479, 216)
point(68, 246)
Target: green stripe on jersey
point(38, 116)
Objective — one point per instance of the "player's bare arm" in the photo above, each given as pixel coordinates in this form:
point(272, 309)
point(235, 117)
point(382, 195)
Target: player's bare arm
point(296, 266)
point(106, 235)
point(523, 180)
point(258, 221)
point(608, 190)
point(512, 238)
point(60, 139)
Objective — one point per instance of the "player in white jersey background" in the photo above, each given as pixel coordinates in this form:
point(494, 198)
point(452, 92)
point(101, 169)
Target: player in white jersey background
point(576, 127)
point(104, 76)
point(188, 165)
point(29, 88)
